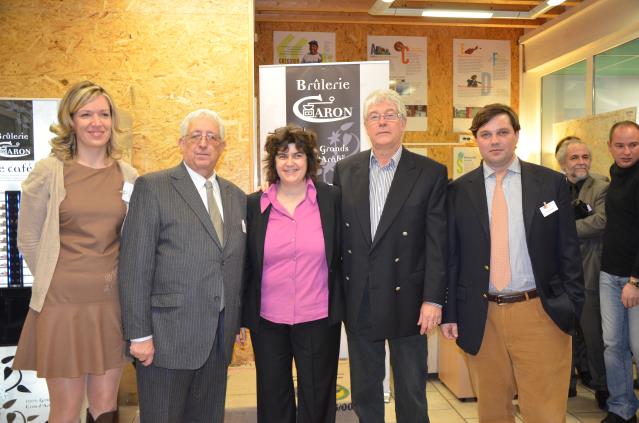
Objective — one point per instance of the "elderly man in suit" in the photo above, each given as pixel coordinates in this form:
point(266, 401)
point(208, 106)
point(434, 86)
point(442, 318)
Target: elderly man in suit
point(589, 204)
point(181, 264)
point(515, 283)
point(394, 252)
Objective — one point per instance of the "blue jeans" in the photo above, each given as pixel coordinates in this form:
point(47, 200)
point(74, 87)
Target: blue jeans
point(621, 338)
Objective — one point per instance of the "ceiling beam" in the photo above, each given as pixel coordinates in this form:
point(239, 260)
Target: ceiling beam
point(364, 18)
point(428, 3)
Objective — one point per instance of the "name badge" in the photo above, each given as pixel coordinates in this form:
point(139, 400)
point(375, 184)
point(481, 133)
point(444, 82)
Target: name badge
point(548, 208)
point(243, 226)
point(127, 190)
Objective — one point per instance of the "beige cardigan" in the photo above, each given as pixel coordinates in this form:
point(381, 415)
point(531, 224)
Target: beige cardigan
point(39, 221)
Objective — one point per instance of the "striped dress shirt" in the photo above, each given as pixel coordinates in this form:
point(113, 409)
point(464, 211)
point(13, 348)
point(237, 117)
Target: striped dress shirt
point(381, 178)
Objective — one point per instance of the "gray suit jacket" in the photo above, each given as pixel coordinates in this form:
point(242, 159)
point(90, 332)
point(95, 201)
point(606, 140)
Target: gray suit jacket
point(172, 268)
point(590, 229)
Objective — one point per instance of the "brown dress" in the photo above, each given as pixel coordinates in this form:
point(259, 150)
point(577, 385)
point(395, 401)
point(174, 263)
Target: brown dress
point(79, 330)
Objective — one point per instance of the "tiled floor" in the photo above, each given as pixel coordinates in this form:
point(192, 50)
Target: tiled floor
point(442, 405)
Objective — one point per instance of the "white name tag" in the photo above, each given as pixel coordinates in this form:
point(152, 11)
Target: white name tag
point(243, 226)
point(127, 190)
point(548, 208)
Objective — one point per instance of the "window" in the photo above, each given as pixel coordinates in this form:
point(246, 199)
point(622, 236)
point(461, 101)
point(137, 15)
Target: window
point(563, 97)
point(616, 80)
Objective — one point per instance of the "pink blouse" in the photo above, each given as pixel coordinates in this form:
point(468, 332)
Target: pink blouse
point(295, 272)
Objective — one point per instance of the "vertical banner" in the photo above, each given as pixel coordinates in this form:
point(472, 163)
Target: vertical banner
point(24, 139)
point(326, 98)
point(303, 47)
point(481, 76)
point(328, 103)
point(408, 76)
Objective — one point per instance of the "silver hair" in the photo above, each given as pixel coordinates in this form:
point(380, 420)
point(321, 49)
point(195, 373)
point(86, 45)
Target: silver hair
point(560, 155)
point(199, 113)
point(379, 96)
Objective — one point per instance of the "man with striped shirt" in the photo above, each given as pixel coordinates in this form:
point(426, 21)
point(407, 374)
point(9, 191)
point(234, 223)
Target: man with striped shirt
point(393, 247)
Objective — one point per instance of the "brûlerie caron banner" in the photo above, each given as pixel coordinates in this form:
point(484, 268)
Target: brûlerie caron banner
point(324, 97)
point(327, 103)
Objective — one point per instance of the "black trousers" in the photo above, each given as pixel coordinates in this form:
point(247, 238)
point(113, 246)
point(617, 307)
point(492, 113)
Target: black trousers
point(315, 348)
point(408, 357)
point(591, 327)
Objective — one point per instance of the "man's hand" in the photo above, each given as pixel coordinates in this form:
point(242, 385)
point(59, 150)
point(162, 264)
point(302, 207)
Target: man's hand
point(629, 296)
point(449, 330)
point(429, 317)
point(240, 338)
point(143, 351)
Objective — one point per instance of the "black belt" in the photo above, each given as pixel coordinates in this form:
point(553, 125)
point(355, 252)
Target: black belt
point(512, 298)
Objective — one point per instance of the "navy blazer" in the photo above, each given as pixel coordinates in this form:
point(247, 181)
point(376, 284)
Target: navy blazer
point(552, 243)
point(405, 265)
point(328, 197)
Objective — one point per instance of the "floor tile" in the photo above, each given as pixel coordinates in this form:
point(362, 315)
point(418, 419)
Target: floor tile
point(443, 407)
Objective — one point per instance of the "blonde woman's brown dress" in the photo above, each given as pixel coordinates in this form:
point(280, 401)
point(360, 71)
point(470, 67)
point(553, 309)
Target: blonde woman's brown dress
point(79, 329)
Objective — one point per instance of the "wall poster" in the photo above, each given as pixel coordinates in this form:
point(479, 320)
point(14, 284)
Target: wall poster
point(481, 76)
point(303, 47)
point(407, 57)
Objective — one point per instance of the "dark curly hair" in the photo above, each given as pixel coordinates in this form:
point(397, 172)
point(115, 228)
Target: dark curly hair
point(304, 140)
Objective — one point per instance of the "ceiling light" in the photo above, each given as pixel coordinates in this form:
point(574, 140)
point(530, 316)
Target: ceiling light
point(441, 13)
point(390, 1)
point(554, 2)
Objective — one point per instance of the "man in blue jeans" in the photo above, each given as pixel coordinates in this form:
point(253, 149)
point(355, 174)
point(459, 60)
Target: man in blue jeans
point(619, 281)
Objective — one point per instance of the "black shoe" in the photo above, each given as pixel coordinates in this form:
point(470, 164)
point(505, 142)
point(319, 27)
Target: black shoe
point(602, 398)
point(572, 392)
point(614, 418)
point(585, 377)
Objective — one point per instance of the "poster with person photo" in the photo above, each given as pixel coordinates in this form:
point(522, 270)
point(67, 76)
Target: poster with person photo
point(303, 47)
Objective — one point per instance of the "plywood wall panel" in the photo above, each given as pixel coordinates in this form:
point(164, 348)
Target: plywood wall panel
point(159, 59)
point(351, 45)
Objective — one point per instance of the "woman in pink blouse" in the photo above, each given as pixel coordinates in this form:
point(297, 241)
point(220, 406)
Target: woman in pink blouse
point(293, 301)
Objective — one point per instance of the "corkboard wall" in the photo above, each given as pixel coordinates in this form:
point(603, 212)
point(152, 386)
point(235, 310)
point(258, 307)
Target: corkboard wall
point(159, 59)
point(351, 45)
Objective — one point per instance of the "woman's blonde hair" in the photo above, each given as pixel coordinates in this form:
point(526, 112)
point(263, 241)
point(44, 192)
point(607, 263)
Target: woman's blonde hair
point(64, 145)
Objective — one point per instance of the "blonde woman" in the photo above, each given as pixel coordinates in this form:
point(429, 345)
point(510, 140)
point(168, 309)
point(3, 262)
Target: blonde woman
point(73, 206)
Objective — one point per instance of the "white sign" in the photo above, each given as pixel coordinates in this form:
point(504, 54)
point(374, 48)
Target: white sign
point(407, 57)
point(481, 76)
point(465, 159)
point(23, 396)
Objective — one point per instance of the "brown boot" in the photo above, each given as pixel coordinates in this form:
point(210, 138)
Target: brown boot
point(110, 417)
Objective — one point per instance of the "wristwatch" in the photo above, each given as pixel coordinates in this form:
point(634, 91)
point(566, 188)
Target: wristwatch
point(633, 281)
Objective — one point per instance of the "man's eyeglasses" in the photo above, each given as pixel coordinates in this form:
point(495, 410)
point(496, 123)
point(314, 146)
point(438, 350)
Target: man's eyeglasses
point(388, 117)
point(210, 137)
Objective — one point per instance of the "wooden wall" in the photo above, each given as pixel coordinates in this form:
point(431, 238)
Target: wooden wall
point(159, 59)
point(351, 45)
